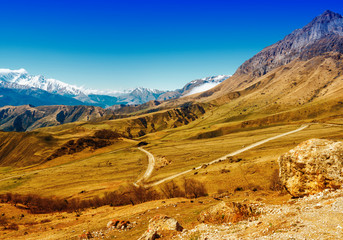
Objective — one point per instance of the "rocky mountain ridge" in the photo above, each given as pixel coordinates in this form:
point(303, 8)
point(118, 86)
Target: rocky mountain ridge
point(322, 30)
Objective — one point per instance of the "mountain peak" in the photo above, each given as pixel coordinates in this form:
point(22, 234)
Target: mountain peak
point(323, 34)
point(329, 15)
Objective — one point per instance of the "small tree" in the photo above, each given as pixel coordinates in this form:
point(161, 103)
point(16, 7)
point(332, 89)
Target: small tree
point(194, 188)
point(275, 182)
point(171, 190)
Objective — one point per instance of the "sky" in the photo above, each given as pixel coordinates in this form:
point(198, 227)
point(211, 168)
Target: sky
point(161, 44)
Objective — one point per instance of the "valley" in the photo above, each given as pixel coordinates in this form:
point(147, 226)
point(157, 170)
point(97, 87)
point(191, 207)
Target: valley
point(209, 160)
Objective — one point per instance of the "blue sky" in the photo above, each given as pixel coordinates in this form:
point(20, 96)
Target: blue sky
point(157, 44)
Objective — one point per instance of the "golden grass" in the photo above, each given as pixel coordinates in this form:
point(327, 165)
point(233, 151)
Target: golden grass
point(93, 175)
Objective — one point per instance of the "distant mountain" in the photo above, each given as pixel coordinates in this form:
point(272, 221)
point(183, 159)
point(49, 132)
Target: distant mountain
point(20, 88)
point(195, 86)
point(21, 77)
point(14, 94)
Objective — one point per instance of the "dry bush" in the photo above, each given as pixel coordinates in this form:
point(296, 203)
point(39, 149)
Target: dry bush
point(38, 204)
point(171, 190)
point(194, 188)
point(141, 194)
point(3, 220)
point(275, 182)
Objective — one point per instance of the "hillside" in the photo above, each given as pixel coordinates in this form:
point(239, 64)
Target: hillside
point(183, 156)
point(27, 117)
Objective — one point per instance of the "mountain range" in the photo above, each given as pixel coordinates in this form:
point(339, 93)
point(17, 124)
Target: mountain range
point(295, 78)
point(18, 87)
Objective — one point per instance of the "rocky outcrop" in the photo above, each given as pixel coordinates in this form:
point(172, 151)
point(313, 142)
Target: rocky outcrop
point(159, 224)
point(311, 167)
point(323, 34)
point(224, 213)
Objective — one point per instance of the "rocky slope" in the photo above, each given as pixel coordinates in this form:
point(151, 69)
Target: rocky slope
point(323, 34)
point(315, 49)
point(314, 217)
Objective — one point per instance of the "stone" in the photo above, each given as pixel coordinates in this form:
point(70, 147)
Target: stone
point(119, 224)
point(224, 213)
point(311, 167)
point(158, 224)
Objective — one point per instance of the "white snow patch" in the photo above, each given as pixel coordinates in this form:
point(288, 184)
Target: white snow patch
point(202, 88)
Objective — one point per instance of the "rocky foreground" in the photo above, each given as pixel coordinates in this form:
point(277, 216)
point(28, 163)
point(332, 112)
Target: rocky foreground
point(318, 216)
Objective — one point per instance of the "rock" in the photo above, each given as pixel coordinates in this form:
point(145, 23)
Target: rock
point(149, 235)
point(158, 224)
point(119, 224)
point(221, 213)
point(311, 167)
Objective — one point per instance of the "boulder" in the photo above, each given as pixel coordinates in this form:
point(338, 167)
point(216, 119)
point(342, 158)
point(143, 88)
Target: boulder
point(158, 224)
point(119, 224)
point(311, 167)
point(223, 212)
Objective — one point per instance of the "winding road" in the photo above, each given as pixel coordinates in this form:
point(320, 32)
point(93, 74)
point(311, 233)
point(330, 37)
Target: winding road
point(150, 168)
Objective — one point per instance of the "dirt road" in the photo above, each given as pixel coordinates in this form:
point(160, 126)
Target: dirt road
point(226, 156)
point(150, 168)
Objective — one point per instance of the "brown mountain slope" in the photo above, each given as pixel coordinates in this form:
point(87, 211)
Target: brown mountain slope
point(27, 117)
point(307, 62)
point(22, 149)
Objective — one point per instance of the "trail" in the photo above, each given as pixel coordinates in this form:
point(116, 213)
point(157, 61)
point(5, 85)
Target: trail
point(228, 155)
point(150, 168)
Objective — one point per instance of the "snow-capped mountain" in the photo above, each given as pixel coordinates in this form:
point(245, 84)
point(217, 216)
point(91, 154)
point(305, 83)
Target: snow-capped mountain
point(21, 79)
point(195, 86)
point(203, 84)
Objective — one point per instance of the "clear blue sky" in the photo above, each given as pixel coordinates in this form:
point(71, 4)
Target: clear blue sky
point(159, 44)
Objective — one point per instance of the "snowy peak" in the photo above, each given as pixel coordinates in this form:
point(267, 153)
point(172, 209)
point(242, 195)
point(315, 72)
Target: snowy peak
point(141, 90)
point(203, 84)
point(21, 77)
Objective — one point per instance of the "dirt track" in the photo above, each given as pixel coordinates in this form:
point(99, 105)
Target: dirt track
point(224, 157)
point(150, 168)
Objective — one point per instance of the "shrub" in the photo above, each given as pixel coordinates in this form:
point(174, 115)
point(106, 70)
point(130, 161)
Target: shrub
point(3, 220)
point(171, 190)
point(13, 226)
point(238, 189)
point(275, 183)
point(194, 188)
